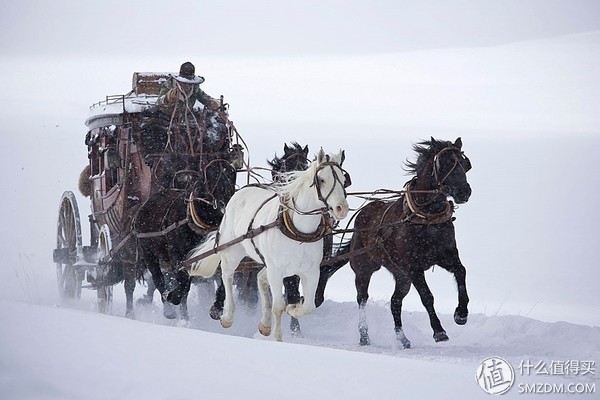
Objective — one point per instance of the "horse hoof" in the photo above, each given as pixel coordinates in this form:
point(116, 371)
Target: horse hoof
point(291, 309)
point(215, 313)
point(364, 340)
point(174, 298)
point(144, 300)
point(169, 311)
point(440, 336)
point(264, 330)
point(169, 314)
point(295, 329)
point(226, 324)
point(460, 320)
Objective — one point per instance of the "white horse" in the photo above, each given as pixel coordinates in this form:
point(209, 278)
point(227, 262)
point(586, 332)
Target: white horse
point(293, 247)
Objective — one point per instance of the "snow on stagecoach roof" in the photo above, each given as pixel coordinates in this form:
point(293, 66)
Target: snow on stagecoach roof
point(144, 93)
point(118, 104)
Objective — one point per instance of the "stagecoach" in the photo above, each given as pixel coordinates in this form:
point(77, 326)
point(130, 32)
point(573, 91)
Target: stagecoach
point(136, 149)
point(159, 178)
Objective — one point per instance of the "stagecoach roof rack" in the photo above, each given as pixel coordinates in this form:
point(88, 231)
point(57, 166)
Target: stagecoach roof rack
point(114, 106)
point(144, 93)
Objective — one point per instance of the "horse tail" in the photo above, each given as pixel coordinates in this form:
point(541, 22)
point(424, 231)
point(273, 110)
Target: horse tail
point(207, 266)
point(84, 182)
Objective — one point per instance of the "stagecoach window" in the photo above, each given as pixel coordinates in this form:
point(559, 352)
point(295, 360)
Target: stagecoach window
point(112, 158)
point(112, 162)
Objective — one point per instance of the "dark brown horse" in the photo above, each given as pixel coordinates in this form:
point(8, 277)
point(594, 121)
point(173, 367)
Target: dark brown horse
point(410, 235)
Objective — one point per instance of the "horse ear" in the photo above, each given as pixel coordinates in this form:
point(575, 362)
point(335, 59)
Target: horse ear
point(305, 150)
point(321, 156)
point(458, 143)
point(286, 149)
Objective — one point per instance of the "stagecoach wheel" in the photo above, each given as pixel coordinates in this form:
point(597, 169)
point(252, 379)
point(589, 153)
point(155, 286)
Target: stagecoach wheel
point(69, 248)
point(104, 292)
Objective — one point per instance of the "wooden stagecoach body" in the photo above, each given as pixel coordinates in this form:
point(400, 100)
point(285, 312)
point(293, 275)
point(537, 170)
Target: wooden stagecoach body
point(122, 176)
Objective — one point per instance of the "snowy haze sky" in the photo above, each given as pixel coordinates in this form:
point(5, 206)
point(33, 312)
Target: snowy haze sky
point(262, 28)
point(517, 80)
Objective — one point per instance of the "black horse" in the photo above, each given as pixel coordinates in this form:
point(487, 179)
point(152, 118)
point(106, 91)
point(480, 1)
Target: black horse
point(410, 235)
point(173, 221)
point(196, 179)
point(193, 177)
point(295, 158)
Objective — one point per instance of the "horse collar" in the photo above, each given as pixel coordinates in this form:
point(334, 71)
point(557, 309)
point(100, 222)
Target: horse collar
point(286, 226)
point(420, 217)
point(196, 220)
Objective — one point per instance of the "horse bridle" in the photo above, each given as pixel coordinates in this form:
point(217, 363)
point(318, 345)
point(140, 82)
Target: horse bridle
point(345, 184)
point(457, 163)
point(416, 214)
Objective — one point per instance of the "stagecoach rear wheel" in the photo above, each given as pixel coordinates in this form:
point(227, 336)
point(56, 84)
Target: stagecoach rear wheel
point(68, 248)
point(104, 292)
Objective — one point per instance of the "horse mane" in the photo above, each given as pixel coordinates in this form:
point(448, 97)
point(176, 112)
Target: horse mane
point(291, 183)
point(424, 149)
point(277, 162)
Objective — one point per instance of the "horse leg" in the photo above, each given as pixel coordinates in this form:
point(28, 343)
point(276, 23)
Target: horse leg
point(179, 296)
point(307, 305)
point(363, 271)
point(291, 286)
point(228, 267)
point(149, 296)
point(246, 286)
point(183, 309)
point(418, 280)
point(129, 285)
point(264, 327)
point(278, 302)
point(400, 291)
point(158, 278)
point(216, 311)
point(455, 267)
point(229, 305)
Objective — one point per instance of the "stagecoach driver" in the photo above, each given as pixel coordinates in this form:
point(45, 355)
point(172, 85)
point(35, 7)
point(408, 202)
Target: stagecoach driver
point(186, 87)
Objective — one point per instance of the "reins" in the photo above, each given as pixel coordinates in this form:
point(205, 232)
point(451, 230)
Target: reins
point(283, 221)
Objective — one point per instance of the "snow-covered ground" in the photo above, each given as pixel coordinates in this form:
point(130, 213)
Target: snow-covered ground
point(529, 117)
point(71, 352)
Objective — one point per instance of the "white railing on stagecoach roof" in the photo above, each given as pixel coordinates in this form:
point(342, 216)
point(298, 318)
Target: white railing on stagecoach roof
point(111, 99)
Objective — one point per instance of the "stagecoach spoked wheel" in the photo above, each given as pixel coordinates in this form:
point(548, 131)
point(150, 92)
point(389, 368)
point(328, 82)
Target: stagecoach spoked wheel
point(105, 292)
point(68, 248)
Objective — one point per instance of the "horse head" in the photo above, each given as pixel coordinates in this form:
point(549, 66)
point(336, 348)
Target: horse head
point(443, 166)
point(450, 171)
point(295, 158)
point(331, 182)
